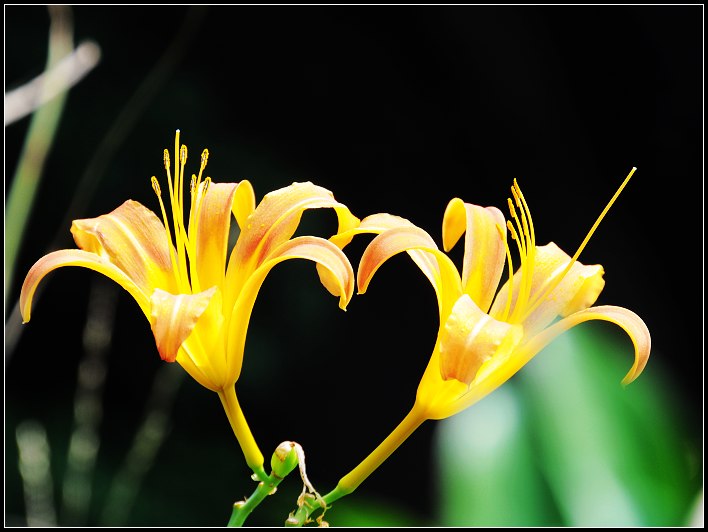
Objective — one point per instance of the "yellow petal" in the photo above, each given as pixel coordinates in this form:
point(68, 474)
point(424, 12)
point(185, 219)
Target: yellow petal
point(272, 223)
point(559, 291)
point(85, 259)
point(133, 238)
point(173, 318)
point(485, 247)
point(377, 224)
point(469, 338)
point(212, 228)
point(437, 266)
point(317, 249)
point(244, 202)
point(632, 324)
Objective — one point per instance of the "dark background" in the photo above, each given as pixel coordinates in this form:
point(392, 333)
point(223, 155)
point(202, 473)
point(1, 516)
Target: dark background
point(394, 109)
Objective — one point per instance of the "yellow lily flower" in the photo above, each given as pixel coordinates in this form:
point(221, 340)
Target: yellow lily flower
point(199, 306)
point(486, 335)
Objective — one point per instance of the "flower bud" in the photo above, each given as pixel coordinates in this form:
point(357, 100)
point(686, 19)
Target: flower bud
point(284, 459)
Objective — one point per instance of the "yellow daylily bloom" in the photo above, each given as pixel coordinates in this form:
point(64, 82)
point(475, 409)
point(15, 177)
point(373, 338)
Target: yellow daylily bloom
point(487, 334)
point(199, 306)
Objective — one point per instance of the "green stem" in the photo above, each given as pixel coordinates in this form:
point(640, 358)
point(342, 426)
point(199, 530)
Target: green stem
point(353, 479)
point(253, 455)
point(243, 509)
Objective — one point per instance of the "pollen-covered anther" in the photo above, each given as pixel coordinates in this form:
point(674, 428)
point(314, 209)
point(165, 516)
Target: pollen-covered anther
point(156, 186)
point(166, 159)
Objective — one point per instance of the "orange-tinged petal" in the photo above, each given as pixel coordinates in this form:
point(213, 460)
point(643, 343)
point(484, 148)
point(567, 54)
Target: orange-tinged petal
point(632, 324)
point(85, 259)
point(317, 249)
point(277, 216)
point(273, 222)
point(560, 291)
point(133, 238)
point(212, 232)
point(485, 247)
point(437, 266)
point(377, 224)
point(173, 318)
point(470, 337)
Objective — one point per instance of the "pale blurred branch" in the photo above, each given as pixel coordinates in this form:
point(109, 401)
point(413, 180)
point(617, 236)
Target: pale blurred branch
point(37, 143)
point(68, 72)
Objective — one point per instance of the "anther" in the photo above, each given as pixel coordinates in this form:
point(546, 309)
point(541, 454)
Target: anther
point(156, 186)
point(511, 230)
point(205, 158)
point(166, 159)
point(193, 184)
point(183, 154)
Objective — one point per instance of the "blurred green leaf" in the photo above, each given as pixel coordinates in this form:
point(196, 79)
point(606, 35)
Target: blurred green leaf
point(565, 444)
point(487, 472)
point(361, 511)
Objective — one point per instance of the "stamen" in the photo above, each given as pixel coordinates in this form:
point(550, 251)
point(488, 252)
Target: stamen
point(520, 246)
point(515, 217)
point(178, 215)
point(507, 306)
point(158, 191)
point(528, 262)
point(156, 187)
point(537, 301)
point(182, 163)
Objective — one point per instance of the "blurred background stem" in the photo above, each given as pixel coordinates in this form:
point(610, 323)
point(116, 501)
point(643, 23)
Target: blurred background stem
point(38, 142)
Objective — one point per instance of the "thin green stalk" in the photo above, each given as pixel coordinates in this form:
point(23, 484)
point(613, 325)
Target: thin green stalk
point(243, 509)
point(38, 142)
point(353, 479)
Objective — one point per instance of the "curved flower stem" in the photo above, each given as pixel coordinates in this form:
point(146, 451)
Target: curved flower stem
point(243, 509)
point(353, 479)
point(253, 455)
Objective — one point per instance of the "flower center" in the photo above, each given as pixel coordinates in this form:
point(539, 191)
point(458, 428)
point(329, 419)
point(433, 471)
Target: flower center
point(184, 247)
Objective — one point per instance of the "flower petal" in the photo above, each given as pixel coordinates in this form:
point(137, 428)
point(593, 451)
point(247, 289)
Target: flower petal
point(469, 338)
point(244, 202)
point(212, 228)
point(85, 259)
point(173, 318)
point(632, 324)
point(133, 238)
point(485, 247)
point(312, 248)
point(559, 291)
point(377, 224)
point(437, 266)
point(272, 223)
